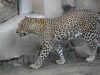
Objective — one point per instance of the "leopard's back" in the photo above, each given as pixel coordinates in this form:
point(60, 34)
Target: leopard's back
point(82, 19)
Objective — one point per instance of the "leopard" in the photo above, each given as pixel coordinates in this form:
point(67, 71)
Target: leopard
point(75, 23)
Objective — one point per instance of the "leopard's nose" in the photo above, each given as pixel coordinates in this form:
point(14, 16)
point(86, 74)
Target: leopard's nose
point(22, 34)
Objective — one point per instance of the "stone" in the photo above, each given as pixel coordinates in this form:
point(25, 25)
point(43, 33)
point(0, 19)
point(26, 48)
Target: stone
point(7, 10)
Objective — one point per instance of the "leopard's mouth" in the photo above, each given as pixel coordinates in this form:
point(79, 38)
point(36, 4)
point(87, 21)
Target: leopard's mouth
point(22, 34)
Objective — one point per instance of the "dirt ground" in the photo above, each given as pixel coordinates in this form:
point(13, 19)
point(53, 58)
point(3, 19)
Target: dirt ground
point(75, 67)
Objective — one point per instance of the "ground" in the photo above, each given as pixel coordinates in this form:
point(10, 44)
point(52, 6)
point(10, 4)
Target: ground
point(75, 67)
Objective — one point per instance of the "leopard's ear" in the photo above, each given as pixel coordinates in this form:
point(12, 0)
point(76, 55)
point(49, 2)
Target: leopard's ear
point(28, 18)
point(41, 21)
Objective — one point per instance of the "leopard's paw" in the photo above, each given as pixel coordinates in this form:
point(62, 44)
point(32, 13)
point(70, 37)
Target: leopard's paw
point(34, 66)
point(60, 61)
point(90, 59)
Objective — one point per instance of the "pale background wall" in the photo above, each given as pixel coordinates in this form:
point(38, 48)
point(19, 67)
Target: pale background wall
point(38, 6)
point(84, 4)
point(69, 2)
point(6, 12)
point(88, 4)
point(29, 6)
point(1, 5)
point(53, 8)
point(25, 6)
point(49, 8)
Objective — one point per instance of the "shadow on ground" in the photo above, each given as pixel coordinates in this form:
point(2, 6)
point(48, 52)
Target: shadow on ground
point(71, 67)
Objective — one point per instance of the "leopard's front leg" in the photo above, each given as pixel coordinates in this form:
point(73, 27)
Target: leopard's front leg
point(46, 47)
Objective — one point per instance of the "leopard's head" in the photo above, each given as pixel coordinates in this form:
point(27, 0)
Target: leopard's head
point(24, 27)
point(30, 25)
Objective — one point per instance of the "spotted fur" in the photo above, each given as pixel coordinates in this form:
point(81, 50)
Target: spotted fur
point(73, 24)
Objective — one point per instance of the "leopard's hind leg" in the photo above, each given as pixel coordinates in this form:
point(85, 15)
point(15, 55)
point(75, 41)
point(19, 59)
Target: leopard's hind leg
point(90, 40)
point(98, 37)
point(59, 50)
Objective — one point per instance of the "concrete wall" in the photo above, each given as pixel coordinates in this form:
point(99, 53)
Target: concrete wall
point(53, 8)
point(69, 2)
point(88, 4)
point(31, 6)
point(49, 8)
point(38, 6)
point(84, 4)
point(25, 6)
point(6, 12)
point(1, 5)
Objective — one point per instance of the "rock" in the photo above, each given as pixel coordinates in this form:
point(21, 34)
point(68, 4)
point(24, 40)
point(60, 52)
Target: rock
point(7, 12)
